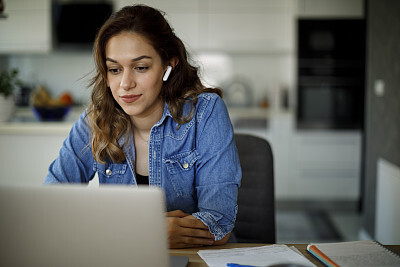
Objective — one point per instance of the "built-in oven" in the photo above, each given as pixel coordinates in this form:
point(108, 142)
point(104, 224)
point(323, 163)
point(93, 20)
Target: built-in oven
point(330, 73)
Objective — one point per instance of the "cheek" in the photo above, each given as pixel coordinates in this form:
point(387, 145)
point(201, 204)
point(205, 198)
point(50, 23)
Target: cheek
point(113, 90)
point(113, 84)
point(112, 81)
point(155, 82)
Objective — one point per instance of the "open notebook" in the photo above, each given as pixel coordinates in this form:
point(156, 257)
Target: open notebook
point(354, 253)
point(78, 226)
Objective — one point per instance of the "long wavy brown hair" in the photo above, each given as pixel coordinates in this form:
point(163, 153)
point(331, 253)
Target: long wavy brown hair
point(108, 122)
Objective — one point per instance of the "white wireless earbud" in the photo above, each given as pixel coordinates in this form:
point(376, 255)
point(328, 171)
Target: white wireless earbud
point(167, 73)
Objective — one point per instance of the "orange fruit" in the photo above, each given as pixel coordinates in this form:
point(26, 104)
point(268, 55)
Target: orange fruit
point(66, 99)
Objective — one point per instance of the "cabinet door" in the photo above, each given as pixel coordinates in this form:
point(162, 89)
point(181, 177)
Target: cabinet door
point(25, 158)
point(326, 165)
point(251, 26)
point(230, 25)
point(330, 8)
point(27, 27)
point(182, 15)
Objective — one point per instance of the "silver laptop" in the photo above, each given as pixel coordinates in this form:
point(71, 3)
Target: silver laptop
point(72, 225)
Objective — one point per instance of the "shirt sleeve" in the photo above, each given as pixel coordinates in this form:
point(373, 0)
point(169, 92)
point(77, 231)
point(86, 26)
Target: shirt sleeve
point(74, 163)
point(218, 173)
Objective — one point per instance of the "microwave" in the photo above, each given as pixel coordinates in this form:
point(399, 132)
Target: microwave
point(330, 73)
point(75, 24)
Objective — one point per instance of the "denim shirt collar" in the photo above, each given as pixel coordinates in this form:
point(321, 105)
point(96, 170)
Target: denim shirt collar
point(165, 114)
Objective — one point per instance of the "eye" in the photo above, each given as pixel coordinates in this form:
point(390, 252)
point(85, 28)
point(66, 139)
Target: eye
point(141, 68)
point(114, 70)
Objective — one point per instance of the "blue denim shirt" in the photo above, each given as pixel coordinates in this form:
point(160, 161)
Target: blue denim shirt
point(196, 165)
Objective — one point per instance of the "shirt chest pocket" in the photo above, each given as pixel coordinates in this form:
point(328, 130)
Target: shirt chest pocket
point(181, 172)
point(110, 173)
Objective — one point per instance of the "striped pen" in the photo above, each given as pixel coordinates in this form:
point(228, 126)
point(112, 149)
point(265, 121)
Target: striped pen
point(321, 256)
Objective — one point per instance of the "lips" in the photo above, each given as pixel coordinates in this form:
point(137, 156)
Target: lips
point(130, 98)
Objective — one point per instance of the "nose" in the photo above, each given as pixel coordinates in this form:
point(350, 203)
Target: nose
point(127, 80)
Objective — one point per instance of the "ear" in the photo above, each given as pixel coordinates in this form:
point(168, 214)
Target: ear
point(173, 62)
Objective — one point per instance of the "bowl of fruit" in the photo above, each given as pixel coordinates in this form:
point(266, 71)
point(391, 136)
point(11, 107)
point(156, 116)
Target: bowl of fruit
point(47, 108)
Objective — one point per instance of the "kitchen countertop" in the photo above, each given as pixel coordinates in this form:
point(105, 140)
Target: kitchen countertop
point(250, 112)
point(24, 121)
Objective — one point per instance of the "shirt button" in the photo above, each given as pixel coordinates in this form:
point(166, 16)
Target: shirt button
point(185, 165)
point(108, 172)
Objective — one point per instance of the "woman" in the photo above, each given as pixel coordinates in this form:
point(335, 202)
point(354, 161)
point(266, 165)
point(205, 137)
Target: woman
point(151, 121)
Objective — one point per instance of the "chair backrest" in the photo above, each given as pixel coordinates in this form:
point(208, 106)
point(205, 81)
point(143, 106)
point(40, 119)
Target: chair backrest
point(255, 221)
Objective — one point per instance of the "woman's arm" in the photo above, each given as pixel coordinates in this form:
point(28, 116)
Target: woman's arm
point(74, 163)
point(218, 171)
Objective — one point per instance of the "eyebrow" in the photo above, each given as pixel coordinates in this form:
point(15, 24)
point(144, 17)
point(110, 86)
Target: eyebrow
point(133, 60)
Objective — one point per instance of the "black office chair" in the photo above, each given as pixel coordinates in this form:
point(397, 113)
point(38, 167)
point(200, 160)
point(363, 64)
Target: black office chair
point(255, 221)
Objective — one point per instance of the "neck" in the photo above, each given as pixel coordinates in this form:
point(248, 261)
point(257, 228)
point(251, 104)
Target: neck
point(144, 124)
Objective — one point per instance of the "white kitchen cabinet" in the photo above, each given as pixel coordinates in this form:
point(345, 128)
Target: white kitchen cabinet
point(183, 16)
point(236, 26)
point(325, 165)
point(250, 26)
point(330, 8)
point(29, 146)
point(280, 135)
point(312, 165)
point(27, 151)
point(26, 27)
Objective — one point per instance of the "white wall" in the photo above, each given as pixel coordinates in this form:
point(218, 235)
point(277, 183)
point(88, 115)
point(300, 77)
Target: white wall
point(387, 219)
point(58, 71)
point(68, 71)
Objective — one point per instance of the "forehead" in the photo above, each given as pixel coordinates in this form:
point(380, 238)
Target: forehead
point(129, 45)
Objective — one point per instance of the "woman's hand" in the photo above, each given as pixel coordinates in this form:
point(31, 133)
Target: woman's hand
point(185, 231)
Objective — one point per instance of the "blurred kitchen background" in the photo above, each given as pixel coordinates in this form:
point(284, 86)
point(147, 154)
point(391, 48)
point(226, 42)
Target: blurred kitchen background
point(319, 79)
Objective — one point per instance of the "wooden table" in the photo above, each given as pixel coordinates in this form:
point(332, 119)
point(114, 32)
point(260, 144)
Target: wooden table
point(196, 261)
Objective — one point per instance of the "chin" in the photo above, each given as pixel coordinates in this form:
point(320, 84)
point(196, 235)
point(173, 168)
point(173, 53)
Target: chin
point(130, 111)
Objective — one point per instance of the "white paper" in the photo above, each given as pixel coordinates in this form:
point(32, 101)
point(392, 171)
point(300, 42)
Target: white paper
point(366, 253)
point(296, 250)
point(255, 256)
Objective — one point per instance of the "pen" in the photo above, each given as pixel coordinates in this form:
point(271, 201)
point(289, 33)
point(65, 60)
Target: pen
point(238, 265)
point(321, 256)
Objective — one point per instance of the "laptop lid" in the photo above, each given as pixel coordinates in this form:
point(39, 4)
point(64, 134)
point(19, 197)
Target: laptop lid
point(72, 225)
